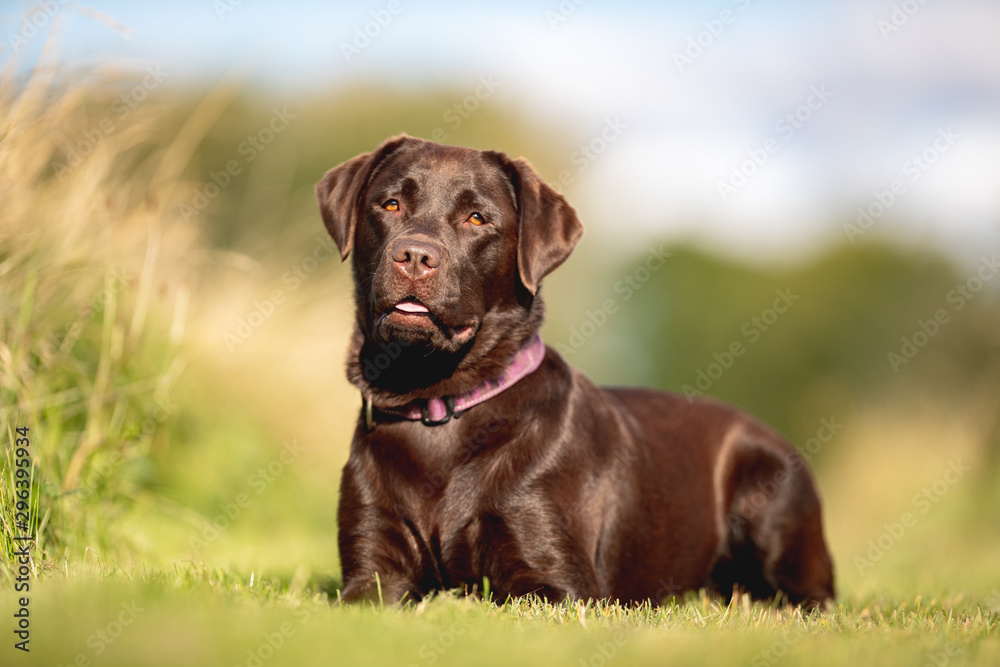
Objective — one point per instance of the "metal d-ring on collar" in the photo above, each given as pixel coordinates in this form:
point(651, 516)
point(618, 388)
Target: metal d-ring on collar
point(449, 405)
point(367, 408)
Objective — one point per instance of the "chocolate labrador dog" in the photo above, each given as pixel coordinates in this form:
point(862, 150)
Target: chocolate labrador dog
point(481, 454)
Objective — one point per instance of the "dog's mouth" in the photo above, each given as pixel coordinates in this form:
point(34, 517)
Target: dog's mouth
point(411, 315)
point(412, 307)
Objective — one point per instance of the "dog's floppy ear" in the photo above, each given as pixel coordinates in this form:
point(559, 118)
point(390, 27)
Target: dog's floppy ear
point(547, 227)
point(339, 190)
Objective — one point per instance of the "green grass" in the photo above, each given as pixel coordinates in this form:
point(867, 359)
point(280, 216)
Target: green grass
point(193, 616)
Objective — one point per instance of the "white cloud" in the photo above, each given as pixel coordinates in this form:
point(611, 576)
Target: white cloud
point(686, 129)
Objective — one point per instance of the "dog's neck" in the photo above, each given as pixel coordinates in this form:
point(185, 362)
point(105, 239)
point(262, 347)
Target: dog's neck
point(392, 373)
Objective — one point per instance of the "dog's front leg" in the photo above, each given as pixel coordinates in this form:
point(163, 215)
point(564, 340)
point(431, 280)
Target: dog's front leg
point(381, 561)
point(378, 563)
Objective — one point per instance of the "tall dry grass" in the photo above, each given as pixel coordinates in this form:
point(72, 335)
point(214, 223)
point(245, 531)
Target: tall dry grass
point(96, 269)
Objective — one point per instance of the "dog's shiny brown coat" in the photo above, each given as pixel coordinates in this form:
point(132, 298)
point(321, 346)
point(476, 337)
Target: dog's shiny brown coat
point(555, 486)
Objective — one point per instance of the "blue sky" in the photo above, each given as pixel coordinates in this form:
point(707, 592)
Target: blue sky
point(885, 80)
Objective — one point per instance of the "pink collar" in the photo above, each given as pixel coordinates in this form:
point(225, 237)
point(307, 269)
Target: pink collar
point(435, 411)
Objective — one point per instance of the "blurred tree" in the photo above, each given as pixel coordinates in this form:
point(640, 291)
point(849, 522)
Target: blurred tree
point(277, 170)
point(710, 325)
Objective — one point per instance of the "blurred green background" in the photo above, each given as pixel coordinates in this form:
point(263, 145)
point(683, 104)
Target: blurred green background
point(215, 408)
point(177, 349)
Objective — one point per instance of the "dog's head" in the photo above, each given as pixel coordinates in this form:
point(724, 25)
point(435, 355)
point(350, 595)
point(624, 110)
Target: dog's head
point(449, 243)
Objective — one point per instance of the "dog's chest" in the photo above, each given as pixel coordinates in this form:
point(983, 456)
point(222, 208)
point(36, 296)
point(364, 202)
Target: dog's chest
point(467, 514)
point(464, 532)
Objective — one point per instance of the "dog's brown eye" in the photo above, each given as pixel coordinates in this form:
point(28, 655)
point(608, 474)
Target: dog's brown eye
point(391, 205)
point(477, 219)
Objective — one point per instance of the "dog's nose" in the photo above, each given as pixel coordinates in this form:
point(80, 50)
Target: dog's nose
point(416, 259)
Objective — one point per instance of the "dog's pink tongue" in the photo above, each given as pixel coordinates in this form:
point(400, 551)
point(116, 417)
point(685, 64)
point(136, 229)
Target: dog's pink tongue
point(411, 307)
